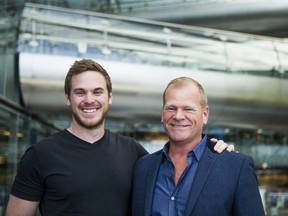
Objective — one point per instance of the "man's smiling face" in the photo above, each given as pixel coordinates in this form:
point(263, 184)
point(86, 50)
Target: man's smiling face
point(183, 117)
point(89, 99)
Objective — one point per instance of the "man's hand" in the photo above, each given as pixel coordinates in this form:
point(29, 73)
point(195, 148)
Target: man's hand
point(220, 146)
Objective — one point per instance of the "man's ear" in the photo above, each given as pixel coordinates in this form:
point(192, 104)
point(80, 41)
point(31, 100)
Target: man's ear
point(162, 116)
point(110, 99)
point(67, 97)
point(205, 115)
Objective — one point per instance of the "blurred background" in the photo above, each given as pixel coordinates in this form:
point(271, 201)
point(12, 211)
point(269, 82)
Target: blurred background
point(237, 49)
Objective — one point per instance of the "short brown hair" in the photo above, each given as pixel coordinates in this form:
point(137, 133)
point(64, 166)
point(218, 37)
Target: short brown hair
point(83, 66)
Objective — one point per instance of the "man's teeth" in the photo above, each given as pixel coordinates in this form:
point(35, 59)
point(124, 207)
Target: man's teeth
point(89, 110)
point(179, 126)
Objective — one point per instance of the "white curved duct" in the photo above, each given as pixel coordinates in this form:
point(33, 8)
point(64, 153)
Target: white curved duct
point(239, 100)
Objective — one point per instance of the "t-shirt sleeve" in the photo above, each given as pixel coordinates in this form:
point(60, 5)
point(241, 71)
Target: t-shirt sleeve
point(141, 151)
point(28, 183)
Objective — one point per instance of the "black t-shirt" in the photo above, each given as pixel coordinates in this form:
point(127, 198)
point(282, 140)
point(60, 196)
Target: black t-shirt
point(70, 176)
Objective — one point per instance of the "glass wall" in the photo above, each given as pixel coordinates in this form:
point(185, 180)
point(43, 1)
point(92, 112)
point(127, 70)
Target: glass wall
point(10, 12)
point(18, 131)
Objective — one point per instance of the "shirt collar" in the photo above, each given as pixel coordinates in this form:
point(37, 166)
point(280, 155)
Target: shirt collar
point(197, 151)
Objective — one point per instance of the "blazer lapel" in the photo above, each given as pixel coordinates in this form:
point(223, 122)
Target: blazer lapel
point(206, 164)
point(151, 181)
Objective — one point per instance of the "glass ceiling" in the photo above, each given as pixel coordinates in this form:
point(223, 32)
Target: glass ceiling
point(57, 31)
point(124, 6)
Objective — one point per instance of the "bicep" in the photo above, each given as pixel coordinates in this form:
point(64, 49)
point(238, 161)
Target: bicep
point(20, 207)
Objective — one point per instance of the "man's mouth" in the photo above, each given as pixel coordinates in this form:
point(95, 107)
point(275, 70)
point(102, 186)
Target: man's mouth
point(89, 110)
point(179, 126)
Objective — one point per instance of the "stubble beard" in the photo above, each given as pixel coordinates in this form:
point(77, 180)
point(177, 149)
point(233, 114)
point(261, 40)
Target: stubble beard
point(90, 125)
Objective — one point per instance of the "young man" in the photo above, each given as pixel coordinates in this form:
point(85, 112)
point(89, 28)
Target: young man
point(187, 177)
point(84, 169)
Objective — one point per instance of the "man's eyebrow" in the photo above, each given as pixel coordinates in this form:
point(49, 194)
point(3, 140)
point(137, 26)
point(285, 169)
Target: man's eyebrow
point(77, 89)
point(100, 88)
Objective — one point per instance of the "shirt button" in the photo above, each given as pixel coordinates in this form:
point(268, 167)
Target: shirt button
point(172, 198)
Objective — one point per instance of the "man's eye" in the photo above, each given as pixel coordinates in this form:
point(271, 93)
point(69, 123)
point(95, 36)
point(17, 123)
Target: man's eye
point(79, 93)
point(98, 92)
point(190, 109)
point(170, 109)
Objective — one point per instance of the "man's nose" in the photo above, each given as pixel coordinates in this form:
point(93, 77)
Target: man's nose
point(179, 114)
point(89, 98)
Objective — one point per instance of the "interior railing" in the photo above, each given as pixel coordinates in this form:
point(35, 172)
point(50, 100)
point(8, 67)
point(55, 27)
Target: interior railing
point(55, 30)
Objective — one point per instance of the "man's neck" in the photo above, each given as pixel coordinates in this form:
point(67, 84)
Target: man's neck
point(177, 148)
point(178, 155)
point(89, 135)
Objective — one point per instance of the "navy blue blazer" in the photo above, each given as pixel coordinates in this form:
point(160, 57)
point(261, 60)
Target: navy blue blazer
point(225, 184)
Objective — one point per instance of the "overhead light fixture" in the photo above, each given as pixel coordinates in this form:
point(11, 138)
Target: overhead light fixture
point(82, 47)
point(167, 30)
point(33, 43)
point(106, 51)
